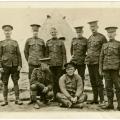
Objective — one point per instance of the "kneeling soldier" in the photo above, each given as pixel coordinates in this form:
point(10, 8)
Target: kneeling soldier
point(10, 63)
point(41, 83)
point(71, 87)
point(110, 67)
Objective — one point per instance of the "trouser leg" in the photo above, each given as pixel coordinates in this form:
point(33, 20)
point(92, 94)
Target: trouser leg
point(56, 72)
point(5, 92)
point(5, 79)
point(81, 72)
point(82, 98)
point(99, 81)
point(116, 81)
point(109, 87)
point(31, 68)
point(35, 88)
point(93, 82)
point(15, 77)
point(49, 95)
point(63, 99)
point(16, 88)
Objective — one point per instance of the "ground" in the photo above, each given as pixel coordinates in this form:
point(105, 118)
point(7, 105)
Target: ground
point(24, 95)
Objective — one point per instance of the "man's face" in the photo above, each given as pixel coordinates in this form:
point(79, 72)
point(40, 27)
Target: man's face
point(111, 35)
point(94, 28)
point(7, 33)
point(70, 71)
point(79, 34)
point(35, 33)
point(45, 66)
point(53, 33)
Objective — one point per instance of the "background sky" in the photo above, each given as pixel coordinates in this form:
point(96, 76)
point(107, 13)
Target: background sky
point(21, 18)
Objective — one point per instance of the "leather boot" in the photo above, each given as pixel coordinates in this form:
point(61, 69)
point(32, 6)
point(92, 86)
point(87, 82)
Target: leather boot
point(110, 105)
point(80, 105)
point(118, 100)
point(95, 97)
point(18, 102)
point(65, 103)
point(4, 103)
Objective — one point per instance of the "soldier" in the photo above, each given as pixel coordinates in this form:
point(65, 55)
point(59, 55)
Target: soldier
point(95, 42)
point(10, 64)
point(71, 87)
point(34, 49)
point(110, 67)
point(41, 83)
point(78, 51)
point(55, 49)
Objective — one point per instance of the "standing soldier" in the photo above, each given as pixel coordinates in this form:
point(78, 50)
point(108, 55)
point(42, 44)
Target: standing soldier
point(55, 49)
point(34, 49)
point(10, 64)
point(95, 42)
point(78, 52)
point(110, 67)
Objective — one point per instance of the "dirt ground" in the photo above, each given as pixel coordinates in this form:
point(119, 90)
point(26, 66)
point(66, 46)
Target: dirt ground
point(24, 95)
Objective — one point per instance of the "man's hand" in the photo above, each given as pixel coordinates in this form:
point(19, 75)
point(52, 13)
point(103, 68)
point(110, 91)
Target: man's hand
point(74, 99)
point(19, 68)
point(45, 89)
point(1, 70)
point(119, 72)
point(63, 67)
point(100, 72)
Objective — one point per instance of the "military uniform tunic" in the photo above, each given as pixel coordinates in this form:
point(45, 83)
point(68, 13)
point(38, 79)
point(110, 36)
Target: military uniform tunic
point(34, 50)
point(78, 50)
point(55, 49)
point(110, 56)
point(94, 46)
point(10, 54)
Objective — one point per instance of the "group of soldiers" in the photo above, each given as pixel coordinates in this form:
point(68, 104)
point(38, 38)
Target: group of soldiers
point(52, 78)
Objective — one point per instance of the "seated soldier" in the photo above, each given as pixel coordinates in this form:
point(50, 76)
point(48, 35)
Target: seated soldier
point(41, 82)
point(71, 87)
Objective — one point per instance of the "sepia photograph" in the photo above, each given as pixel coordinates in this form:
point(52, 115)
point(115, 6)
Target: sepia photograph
point(60, 57)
